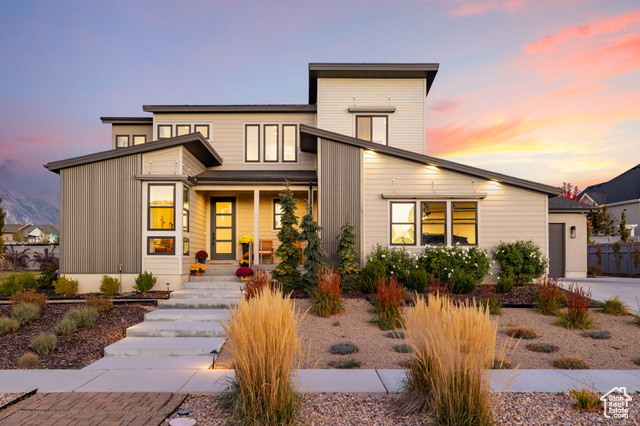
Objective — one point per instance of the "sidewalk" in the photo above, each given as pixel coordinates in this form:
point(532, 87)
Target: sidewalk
point(203, 381)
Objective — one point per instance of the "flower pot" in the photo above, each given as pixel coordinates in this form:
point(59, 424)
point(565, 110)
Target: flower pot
point(198, 273)
point(246, 279)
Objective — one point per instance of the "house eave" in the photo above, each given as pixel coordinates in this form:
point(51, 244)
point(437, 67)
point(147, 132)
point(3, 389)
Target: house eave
point(284, 108)
point(127, 120)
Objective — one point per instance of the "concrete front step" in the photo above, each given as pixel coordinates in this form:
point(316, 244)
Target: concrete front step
point(176, 329)
point(184, 363)
point(212, 285)
point(161, 347)
point(217, 278)
point(206, 294)
point(204, 303)
point(207, 315)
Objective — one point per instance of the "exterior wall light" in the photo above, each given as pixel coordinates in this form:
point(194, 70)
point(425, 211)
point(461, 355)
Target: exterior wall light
point(573, 232)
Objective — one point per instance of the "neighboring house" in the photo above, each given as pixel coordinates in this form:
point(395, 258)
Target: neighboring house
point(620, 194)
point(9, 230)
point(33, 234)
point(197, 177)
point(567, 237)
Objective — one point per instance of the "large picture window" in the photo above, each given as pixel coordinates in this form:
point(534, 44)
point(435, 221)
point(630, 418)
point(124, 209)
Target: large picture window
point(434, 222)
point(465, 223)
point(161, 207)
point(161, 245)
point(271, 143)
point(403, 224)
point(372, 128)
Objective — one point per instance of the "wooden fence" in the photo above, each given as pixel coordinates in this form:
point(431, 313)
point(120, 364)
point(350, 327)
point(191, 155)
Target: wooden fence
point(615, 258)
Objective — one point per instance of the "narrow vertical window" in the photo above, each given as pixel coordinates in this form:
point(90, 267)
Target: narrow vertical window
point(164, 131)
point(363, 128)
point(465, 223)
point(289, 142)
point(277, 214)
point(185, 209)
point(252, 143)
point(434, 223)
point(122, 141)
point(403, 224)
point(379, 130)
point(161, 207)
point(374, 128)
point(139, 139)
point(183, 129)
point(270, 142)
point(203, 129)
point(185, 246)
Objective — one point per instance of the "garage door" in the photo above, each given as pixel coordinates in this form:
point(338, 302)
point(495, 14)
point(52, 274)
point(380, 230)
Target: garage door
point(556, 249)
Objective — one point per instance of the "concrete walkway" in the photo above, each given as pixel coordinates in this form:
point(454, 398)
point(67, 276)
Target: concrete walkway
point(603, 288)
point(202, 381)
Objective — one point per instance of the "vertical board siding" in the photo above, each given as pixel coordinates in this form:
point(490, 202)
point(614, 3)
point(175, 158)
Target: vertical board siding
point(100, 217)
point(339, 192)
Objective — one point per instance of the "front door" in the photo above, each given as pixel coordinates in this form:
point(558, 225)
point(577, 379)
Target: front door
point(223, 228)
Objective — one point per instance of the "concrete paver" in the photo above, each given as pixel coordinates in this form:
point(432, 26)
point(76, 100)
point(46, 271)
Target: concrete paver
point(339, 381)
point(208, 381)
point(45, 380)
point(193, 363)
point(138, 381)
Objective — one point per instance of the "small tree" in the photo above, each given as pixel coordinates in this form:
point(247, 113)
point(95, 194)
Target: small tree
point(18, 237)
point(287, 272)
point(622, 228)
point(602, 222)
point(569, 191)
point(314, 254)
point(45, 238)
point(349, 268)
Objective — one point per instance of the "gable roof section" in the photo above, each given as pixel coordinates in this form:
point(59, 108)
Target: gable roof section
point(564, 205)
point(229, 108)
point(368, 70)
point(193, 142)
point(308, 143)
point(621, 188)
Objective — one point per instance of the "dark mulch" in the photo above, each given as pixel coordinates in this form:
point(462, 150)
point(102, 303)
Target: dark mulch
point(51, 294)
point(76, 351)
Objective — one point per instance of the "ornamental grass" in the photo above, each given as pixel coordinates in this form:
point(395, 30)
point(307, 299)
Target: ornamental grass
point(264, 343)
point(389, 305)
point(326, 299)
point(577, 315)
point(549, 296)
point(261, 280)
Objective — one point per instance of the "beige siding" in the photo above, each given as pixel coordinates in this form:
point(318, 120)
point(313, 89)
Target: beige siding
point(227, 136)
point(190, 164)
point(163, 162)
point(100, 217)
point(575, 248)
point(406, 124)
point(197, 228)
point(130, 130)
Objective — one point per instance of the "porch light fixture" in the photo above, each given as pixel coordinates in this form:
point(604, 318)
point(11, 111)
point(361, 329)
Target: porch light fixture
point(573, 232)
point(168, 287)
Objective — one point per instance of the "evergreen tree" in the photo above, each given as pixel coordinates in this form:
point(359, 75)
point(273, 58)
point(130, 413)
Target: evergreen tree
point(314, 253)
point(349, 268)
point(287, 272)
point(602, 222)
point(2, 215)
point(624, 232)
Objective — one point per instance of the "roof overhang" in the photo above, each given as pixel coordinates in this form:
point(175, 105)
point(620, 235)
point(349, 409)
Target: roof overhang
point(308, 143)
point(195, 143)
point(255, 176)
point(295, 108)
point(127, 120)
point(369, 70)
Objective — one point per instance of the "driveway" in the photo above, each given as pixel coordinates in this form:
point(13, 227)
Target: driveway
point(603, 288)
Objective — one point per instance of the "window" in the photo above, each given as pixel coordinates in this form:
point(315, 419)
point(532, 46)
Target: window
point(183, 129)
point(122, 141)
point(372, 128)
point(271, 143)
point(185, 209)
point(277, 214)
point(161, 207)
point(252, 143)
point(434, 222)
point(185, 246)
point(161, 245)
point(465, 223)
point(203, 129)
point(164, 131)
point(139, 139)
point(403, 224)
point(289, 143)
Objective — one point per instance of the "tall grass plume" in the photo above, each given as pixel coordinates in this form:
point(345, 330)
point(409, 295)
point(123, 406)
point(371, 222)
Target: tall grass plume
point(549, 296)
point(326, 299)
point(389, 305)
point(577, 314)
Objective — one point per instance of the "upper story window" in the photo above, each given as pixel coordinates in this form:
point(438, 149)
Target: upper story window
point(271, 143)
point(374, 128)
point(165, 131)
point(139, 139)
point(203, 129)
point(162, 207)
point(122, 141)
point(183, 129)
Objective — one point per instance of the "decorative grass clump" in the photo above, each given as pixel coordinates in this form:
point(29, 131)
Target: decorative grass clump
point(522, 332)
point(8, 326)
point(30, 296)
point(599, 334)
point(395, 334)
point(545, 348)
point(145, 282)
point(84, 316)
point(28, 360)
point(454, 345)
point(66, 326)
point(264, 343)
point(345, 348)
point(25, 313)
point(326, 299)
point(109, 286)
point(489, 300)
point(65, 286)
point(261, 280)
point(347, 363)
point(577, 314)
point(44, 343)
point(100, 304)
point(570, 363)
point(502, 364)
point(403, 349)
point(389, 304)
point(614, 306)
point(549, 296)
point(586, 399)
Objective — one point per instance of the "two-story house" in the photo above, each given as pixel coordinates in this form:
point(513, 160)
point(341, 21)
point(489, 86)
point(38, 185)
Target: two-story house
point(197, 177)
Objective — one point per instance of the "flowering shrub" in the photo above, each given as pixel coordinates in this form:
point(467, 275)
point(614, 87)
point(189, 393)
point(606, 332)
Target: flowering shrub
point(202, 256)
point(521, 260)
point(444, 262)
point(397, 261)
point(244, 271)
point(246, 239)
point(198, 267)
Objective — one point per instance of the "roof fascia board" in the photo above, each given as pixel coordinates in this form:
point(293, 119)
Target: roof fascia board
point(621, 203)
point(167, 109)
point(127, 120)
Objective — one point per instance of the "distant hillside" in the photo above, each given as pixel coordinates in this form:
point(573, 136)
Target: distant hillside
point(21, 208)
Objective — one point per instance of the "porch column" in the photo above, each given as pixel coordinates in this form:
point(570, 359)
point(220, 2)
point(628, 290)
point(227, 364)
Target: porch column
point(256, 226)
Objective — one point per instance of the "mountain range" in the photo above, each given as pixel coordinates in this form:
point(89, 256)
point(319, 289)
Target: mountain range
point(21, 208)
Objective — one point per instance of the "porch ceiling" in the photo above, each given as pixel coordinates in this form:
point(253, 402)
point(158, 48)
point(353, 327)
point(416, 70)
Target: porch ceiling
point(262, 176)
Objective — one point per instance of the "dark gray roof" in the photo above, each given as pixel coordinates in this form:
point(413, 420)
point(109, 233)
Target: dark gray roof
point(229, 108)
point(310, 134)
point(368, 70)
point(193, 142)
point(47, 229)
point(621, 188)
point(567, 204)
point(127, 120)
point(11, 228)
point(266, 176)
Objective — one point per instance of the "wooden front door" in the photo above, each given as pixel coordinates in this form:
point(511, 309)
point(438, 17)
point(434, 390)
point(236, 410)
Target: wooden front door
point(223, 228)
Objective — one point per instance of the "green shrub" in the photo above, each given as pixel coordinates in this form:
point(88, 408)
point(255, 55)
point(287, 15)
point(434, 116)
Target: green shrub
point(145, 282)
point(505, 283)
point(417, 280)
point(549, 297)
point(599, 334)
point(397, 262)
point(8, 326)
point(29, 296)
point(44, 343)
point(18, 282)
point(370, 275)
point(546, 348)
point(523, 260)
point(462, 283)
point(84, 316)
point(28, 360)
point(100, 304)
point(403, 349)
point(493, 305)
point(49, 274)
point(25, 313)
point(522, 332)
point(614, 306)
point(66, 286)
point(585, 399)
point(347, 363)
point(349, 267)
point(443, 262)
point(395, 334)
point(326, 299)
point(109, 286)
point(66, 326)
point(570, 363)
point(345, 348)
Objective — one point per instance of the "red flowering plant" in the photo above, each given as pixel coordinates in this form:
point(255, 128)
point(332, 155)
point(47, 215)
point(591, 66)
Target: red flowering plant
point(244, 271)
point(202, 256)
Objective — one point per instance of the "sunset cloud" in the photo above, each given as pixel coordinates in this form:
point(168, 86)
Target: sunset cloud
point(470, 8)
point(444, 105)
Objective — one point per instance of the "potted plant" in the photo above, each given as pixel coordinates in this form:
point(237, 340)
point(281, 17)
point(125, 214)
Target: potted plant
point(197, 269)
point(244, 263)
point(201, 256)
point(244, 241)
point(245, 273)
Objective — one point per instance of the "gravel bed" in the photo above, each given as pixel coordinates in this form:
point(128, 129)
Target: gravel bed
point(5, 398)
point(377, 409)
